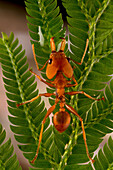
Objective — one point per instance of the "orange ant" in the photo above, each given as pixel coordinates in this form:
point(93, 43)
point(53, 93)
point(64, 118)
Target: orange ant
point(58, 66)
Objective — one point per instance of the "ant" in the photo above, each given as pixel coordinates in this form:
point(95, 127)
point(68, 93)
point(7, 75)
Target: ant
point(59, 66)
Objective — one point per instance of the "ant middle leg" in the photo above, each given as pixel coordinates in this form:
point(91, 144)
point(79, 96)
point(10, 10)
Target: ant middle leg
point(49, 84)
point(72, 85)
point(87, 95)
point(39, 69)
point(44, 94)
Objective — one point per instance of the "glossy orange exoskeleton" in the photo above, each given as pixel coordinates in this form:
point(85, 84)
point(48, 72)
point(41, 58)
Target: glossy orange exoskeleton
point(58, 66)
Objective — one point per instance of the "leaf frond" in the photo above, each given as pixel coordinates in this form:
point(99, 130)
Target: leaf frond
point(8, 159)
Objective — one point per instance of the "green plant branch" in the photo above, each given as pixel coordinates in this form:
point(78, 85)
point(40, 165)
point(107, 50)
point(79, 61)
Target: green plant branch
point(13, 61)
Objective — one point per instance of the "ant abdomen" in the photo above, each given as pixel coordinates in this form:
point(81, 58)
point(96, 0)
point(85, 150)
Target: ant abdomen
point(61, 120)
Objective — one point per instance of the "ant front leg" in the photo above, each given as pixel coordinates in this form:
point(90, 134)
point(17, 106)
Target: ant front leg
point(72, 110)
point(33, 49)
point(87, 42)
point(49, 84)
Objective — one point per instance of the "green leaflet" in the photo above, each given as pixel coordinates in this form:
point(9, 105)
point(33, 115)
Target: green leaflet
point(92, 7)
point(105, 157)
point(8, 159)
point(104, 160)
point(78, 28)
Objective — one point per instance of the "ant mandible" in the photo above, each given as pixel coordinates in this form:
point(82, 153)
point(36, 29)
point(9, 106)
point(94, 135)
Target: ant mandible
point(58, 66)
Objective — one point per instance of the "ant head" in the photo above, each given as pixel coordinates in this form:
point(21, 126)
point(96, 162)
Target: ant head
point(61, 120)
point(58, 61)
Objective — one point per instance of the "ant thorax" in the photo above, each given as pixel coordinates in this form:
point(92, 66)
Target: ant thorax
point(60, 80)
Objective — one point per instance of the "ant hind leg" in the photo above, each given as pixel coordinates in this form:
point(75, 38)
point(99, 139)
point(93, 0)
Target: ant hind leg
point(72, 110)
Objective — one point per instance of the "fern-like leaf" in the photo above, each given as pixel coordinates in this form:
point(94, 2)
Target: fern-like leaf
point(91, 6)
point(78, 29)
point(8, 160)
point(20, 87)
point(104, 29)
point(104, 160)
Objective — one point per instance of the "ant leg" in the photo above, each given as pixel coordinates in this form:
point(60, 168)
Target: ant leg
point(71, 85)
point(44, 94)
point(82, 92)
point(39, 69)
point(72, 110)
point(36, 60)
point(50, 110)
point(87, 42)
point(74, 80)
point(49, 84)
point(52, 82)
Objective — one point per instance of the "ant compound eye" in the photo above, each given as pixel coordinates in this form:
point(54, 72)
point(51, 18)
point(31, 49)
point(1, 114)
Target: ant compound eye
point(50, 61)
point(68, 59)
